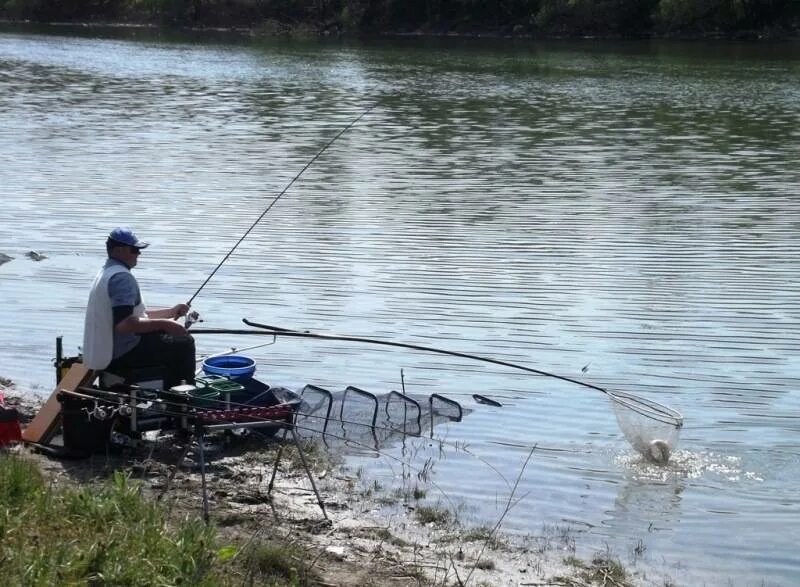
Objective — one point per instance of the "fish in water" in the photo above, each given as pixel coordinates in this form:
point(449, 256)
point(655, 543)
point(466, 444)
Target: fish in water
point(36, 256)
point(658, 452)
point(482, 399)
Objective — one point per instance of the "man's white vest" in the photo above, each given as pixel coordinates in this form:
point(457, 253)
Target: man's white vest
point(98, 330)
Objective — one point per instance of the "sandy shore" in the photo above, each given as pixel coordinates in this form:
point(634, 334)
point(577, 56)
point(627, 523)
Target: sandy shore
point(371, 536)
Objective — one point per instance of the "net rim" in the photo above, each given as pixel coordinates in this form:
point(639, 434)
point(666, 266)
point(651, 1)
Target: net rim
point(648, 408)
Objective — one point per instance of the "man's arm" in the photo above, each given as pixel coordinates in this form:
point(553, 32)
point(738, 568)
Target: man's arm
point(143, 325)
point(124, 293)
point(175, 311)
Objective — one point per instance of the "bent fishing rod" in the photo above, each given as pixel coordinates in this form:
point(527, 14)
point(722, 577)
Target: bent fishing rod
point(642, 406)
point(266, 329)
point(275, 201)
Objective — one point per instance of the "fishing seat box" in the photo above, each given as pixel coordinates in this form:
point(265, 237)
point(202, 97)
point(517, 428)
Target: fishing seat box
point(147, 377)
point(83, 433)
point(9, 426)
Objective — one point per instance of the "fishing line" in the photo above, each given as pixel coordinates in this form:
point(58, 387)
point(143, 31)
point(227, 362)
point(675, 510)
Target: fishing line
point(278, 197)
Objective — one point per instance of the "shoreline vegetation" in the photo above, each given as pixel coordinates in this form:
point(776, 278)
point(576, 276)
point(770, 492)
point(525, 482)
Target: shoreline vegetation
point(101, 520)
point(731, 19)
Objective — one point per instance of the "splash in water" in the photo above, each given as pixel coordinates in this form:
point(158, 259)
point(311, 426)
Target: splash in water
point(687, 464)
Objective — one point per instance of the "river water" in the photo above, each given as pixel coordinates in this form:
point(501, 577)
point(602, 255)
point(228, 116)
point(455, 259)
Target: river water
point(621, 213)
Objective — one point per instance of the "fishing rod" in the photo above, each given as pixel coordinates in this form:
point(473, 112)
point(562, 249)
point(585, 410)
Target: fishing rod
point(278, 197)
point(266, 329)
point(644, 407)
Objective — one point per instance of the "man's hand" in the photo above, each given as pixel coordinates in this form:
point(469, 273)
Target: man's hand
point(180, 310)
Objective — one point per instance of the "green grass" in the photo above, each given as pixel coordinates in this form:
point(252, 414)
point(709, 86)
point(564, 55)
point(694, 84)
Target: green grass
point(113, 535)
point(407, 494)
point(108, 535)
point(432, 515)
point(601, 570)
point(477, 534)
point(604, 569)
point(276, 564)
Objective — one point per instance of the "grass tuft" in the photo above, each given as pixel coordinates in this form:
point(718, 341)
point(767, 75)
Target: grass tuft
point(20, 481)
point(477, 534)
point(113, 535)
point(574, 561)
point(604, 569)
point(275, 564)
point(110, 535)
point(432, 515)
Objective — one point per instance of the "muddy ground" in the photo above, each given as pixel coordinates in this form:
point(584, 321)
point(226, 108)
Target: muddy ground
point(370, 537)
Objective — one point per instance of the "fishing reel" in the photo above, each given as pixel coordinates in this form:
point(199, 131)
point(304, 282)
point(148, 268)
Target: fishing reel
point(98, 412)
point(102, 413)
point(191, 318)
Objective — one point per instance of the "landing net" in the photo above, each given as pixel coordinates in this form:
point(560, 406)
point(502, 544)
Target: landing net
point(651, 428)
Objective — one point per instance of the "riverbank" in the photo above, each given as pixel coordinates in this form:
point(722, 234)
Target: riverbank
point(544, 19)
point(277, 539)
point(291, 30)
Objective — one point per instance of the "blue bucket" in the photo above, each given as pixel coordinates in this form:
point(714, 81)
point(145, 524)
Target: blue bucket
point(236, 367)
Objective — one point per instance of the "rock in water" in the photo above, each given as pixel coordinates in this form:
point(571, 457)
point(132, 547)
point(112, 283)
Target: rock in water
point(658, 452)
point(4, 258)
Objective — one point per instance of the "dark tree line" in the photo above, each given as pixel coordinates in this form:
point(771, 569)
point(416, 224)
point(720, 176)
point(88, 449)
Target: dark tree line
point(517, 17)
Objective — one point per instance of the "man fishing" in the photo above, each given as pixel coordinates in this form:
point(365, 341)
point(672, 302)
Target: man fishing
point(120, 333)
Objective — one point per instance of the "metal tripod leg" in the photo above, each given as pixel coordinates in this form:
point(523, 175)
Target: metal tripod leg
point(308, 472)
point(203, 472)
point(277, 460)
point(175, 470)
point(296, 440)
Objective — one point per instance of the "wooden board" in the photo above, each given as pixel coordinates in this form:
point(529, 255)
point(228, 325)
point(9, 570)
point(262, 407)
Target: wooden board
point(44, 426)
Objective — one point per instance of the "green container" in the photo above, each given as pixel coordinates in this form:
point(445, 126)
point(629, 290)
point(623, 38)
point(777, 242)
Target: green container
point(204, 398)
point(213, 390)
